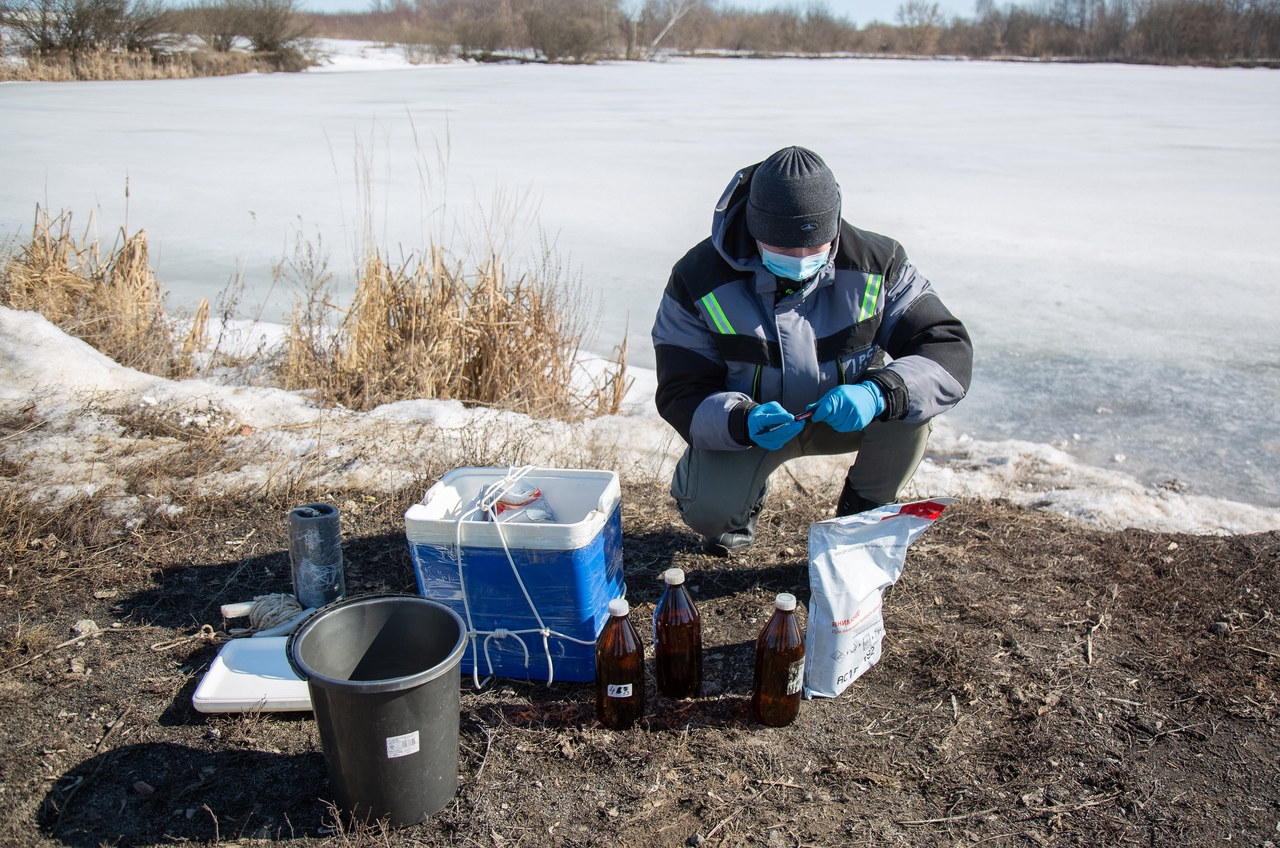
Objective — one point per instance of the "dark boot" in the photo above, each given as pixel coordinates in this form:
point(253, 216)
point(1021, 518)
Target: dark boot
point(734, 540)
point(851, 502)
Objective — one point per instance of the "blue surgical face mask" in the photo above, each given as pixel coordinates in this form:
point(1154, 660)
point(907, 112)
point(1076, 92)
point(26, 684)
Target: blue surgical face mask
point(795, 268)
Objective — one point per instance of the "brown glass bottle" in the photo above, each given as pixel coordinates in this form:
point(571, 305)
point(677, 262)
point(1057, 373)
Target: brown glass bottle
point(779, 678)
point(677, 640)
point(619, 670)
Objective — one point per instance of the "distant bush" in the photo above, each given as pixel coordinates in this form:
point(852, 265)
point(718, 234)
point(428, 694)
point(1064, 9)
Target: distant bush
point(920, 22)
point(265, 26)
point(570, 29)
point(481, 27)
point(272, 26)
point(76, 27)
point(386, 26)
point(218, 24)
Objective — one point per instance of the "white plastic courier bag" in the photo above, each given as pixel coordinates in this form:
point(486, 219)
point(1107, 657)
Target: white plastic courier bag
point(852, 560)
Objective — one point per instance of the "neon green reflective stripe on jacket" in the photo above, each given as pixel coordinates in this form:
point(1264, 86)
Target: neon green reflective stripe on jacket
point(717, 314)
point(870, 297)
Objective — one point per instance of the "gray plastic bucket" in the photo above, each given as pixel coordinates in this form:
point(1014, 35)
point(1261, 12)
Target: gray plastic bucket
point(384, 681)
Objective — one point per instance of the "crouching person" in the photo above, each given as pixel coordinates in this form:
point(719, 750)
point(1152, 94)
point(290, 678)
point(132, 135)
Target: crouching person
point(785, 310)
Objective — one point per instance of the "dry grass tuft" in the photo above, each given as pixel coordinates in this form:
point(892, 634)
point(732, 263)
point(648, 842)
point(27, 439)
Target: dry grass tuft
point(611, 388)
point(113, 302)
point(170, 450)
point(197, 338)
point(429, 328)
point(24, 527)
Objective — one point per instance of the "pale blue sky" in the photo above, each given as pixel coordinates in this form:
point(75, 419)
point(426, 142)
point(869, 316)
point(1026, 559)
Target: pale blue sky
point(860, 12)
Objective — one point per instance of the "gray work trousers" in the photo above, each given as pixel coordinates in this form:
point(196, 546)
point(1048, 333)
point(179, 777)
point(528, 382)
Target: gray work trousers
point(715, 491)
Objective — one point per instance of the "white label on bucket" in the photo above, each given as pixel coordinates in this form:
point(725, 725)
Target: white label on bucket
point(619, 690)
point(402, 746)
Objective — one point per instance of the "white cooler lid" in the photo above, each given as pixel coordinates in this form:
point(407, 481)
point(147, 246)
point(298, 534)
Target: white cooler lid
point(582, 500)
point(252, 674)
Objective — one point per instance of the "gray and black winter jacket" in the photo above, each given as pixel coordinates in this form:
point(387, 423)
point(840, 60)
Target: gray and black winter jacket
point(727, 338)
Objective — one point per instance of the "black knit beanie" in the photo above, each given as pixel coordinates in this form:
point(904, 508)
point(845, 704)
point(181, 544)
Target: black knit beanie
point(794, 200)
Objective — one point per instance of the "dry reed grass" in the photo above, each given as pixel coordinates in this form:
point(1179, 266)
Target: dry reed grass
point(430, 328)
point(427, 328)
point(115, 65)
point(610, 389)
point(111, 301)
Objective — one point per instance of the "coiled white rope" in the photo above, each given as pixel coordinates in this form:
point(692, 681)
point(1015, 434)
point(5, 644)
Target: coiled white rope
point(270, 611)
point(269, 615)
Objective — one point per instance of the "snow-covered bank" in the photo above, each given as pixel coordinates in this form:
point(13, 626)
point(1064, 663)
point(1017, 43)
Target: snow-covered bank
point(80, 425)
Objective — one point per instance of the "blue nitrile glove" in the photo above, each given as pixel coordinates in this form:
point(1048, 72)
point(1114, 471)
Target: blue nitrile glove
point(769, 415)
point(848, 409)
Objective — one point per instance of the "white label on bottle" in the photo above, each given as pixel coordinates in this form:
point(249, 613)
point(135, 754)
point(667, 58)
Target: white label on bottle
point(622, 690)
point(402, 746)
point(795, 677)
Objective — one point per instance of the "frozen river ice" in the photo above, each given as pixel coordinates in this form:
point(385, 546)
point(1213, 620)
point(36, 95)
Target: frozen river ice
point(1107, 232)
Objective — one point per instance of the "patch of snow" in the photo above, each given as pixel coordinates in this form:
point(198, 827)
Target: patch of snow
point(77, 443)
point(348, 56)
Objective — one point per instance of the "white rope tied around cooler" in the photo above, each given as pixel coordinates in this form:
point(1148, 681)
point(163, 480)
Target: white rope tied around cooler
point(487, 504)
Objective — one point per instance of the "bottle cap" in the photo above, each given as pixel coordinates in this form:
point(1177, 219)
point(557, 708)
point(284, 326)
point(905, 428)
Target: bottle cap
point(619, 607)
point(673, 576)
point(785, 601)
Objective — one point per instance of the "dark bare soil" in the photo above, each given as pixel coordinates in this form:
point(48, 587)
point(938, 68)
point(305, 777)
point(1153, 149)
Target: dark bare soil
point(1041, 684)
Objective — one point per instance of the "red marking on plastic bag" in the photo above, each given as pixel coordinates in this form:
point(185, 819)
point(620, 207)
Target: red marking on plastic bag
point(928, 510)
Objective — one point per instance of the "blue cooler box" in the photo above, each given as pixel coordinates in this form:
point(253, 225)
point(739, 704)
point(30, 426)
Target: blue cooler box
point(571, 569)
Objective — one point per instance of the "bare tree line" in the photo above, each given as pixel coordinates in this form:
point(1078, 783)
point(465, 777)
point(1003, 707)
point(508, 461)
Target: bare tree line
point(1198, 31)
point(1181, 31)
point(550, 30)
